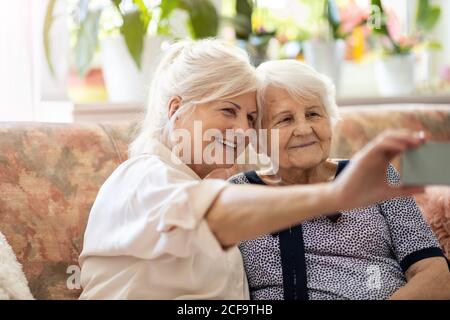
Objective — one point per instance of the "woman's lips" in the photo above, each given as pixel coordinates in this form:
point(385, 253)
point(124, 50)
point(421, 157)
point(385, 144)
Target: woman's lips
point(226, 143)
point(304, 145)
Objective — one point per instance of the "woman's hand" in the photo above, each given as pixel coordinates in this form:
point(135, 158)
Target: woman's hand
point(364, 182)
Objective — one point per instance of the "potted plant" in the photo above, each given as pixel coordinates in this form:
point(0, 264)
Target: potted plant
point(254, 41)
point(129, 49)
point(396, 69)
point(325, 52)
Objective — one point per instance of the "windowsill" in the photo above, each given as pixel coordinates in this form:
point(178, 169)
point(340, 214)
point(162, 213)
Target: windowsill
point(104, 111)
point(413, 99)
point(66, 111)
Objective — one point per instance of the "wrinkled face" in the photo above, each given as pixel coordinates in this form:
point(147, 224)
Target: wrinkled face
point(304, 129)
point(216, 118)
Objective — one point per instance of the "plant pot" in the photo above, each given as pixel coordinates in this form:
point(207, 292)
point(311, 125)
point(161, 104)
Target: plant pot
point(326, 57)
point(395, 75)
point(423, 67)
point(124, 82)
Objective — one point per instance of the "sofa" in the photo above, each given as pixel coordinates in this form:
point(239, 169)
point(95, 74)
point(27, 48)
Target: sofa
point(50, 175)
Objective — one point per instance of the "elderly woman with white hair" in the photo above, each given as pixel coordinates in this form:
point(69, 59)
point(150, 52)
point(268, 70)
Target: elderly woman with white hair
point(160, 228)
point(385, 250)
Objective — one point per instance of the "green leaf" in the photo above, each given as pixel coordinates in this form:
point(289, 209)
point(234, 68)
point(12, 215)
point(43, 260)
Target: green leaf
point(167, 6)
point(244, 7)
point(87, 40)
point(48, 22)
point(146, 14)
point(382, 28)
point(333, 18)
point(434, 45)
point(133, 30)
point(427, 16)
point(243, 19)
point(203, 17)
point(432, 19)
point(422, 11)
point(242, 26)
point(117, 3)
point(333, 13)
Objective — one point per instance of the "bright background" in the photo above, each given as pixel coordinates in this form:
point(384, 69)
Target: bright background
point(92, 45)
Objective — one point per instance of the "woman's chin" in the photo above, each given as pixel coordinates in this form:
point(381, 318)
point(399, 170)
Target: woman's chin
point(305, 164)
point(225, 166)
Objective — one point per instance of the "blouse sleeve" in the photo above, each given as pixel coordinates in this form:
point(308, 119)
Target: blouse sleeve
point(151, 209)
point(412, 237)
point(182, 227)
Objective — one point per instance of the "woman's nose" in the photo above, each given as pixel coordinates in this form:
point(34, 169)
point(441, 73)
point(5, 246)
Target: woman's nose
point(303, 128)
point(241, 124)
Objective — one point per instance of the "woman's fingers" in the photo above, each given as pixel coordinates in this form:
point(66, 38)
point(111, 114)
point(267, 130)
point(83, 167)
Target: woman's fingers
point(393, 143)
point(367, 177)
point(406, 136)
point(393, 148)
point(412, 139)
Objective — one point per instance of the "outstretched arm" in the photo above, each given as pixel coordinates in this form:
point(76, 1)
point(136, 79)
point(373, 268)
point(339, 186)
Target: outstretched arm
point(243, 212)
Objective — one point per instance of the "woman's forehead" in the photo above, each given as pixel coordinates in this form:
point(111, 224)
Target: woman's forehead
point(245, 101)
point(288, 102)
point(276, 96)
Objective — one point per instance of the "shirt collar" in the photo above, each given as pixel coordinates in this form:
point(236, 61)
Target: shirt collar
point(157, 148)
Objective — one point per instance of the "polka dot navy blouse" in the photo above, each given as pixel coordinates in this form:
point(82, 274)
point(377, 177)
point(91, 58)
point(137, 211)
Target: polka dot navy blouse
point(354, 254)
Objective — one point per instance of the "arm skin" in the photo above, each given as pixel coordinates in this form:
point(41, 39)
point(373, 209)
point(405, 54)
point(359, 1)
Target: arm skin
point(427, 279)
point(242, 212)
point(245, 211)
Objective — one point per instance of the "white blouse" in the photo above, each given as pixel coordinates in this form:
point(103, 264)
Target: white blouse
point(147, 237)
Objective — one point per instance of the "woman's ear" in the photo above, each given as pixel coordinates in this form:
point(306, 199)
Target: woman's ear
point(174, 105)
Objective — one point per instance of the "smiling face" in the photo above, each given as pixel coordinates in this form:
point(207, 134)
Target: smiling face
point(304, 129)
point(234, 113)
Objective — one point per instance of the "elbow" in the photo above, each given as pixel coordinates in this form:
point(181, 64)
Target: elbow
point(222, 226)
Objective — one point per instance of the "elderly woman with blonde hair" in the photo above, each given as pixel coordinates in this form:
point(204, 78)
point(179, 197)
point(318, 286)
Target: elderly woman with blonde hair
point(384, 250)
point(161, 228)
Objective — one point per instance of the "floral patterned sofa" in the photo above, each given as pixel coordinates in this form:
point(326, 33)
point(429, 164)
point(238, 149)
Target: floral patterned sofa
point(50, 175)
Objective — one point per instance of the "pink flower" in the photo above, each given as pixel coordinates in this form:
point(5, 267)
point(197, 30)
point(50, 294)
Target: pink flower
point(352, 15)
point(393, 25)
point(445, 73)
point(407, 42)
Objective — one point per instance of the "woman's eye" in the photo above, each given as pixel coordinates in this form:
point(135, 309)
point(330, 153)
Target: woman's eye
point(312, 114)
point(251, 119)
point(284, 120)
point(229, 111)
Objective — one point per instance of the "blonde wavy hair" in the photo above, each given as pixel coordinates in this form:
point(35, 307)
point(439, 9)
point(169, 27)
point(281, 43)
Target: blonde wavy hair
point(198, 72)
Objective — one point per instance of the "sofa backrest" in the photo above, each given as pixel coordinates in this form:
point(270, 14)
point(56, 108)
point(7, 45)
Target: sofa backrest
point(50, 175)
point(359, 125)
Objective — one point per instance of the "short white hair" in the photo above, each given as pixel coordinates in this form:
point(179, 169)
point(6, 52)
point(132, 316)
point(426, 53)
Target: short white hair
point(301, 82)
point(198, 72)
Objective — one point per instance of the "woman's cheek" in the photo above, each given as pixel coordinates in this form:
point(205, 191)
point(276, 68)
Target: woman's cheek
point(323, 130)
point(325, 135)
point(284, 136)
